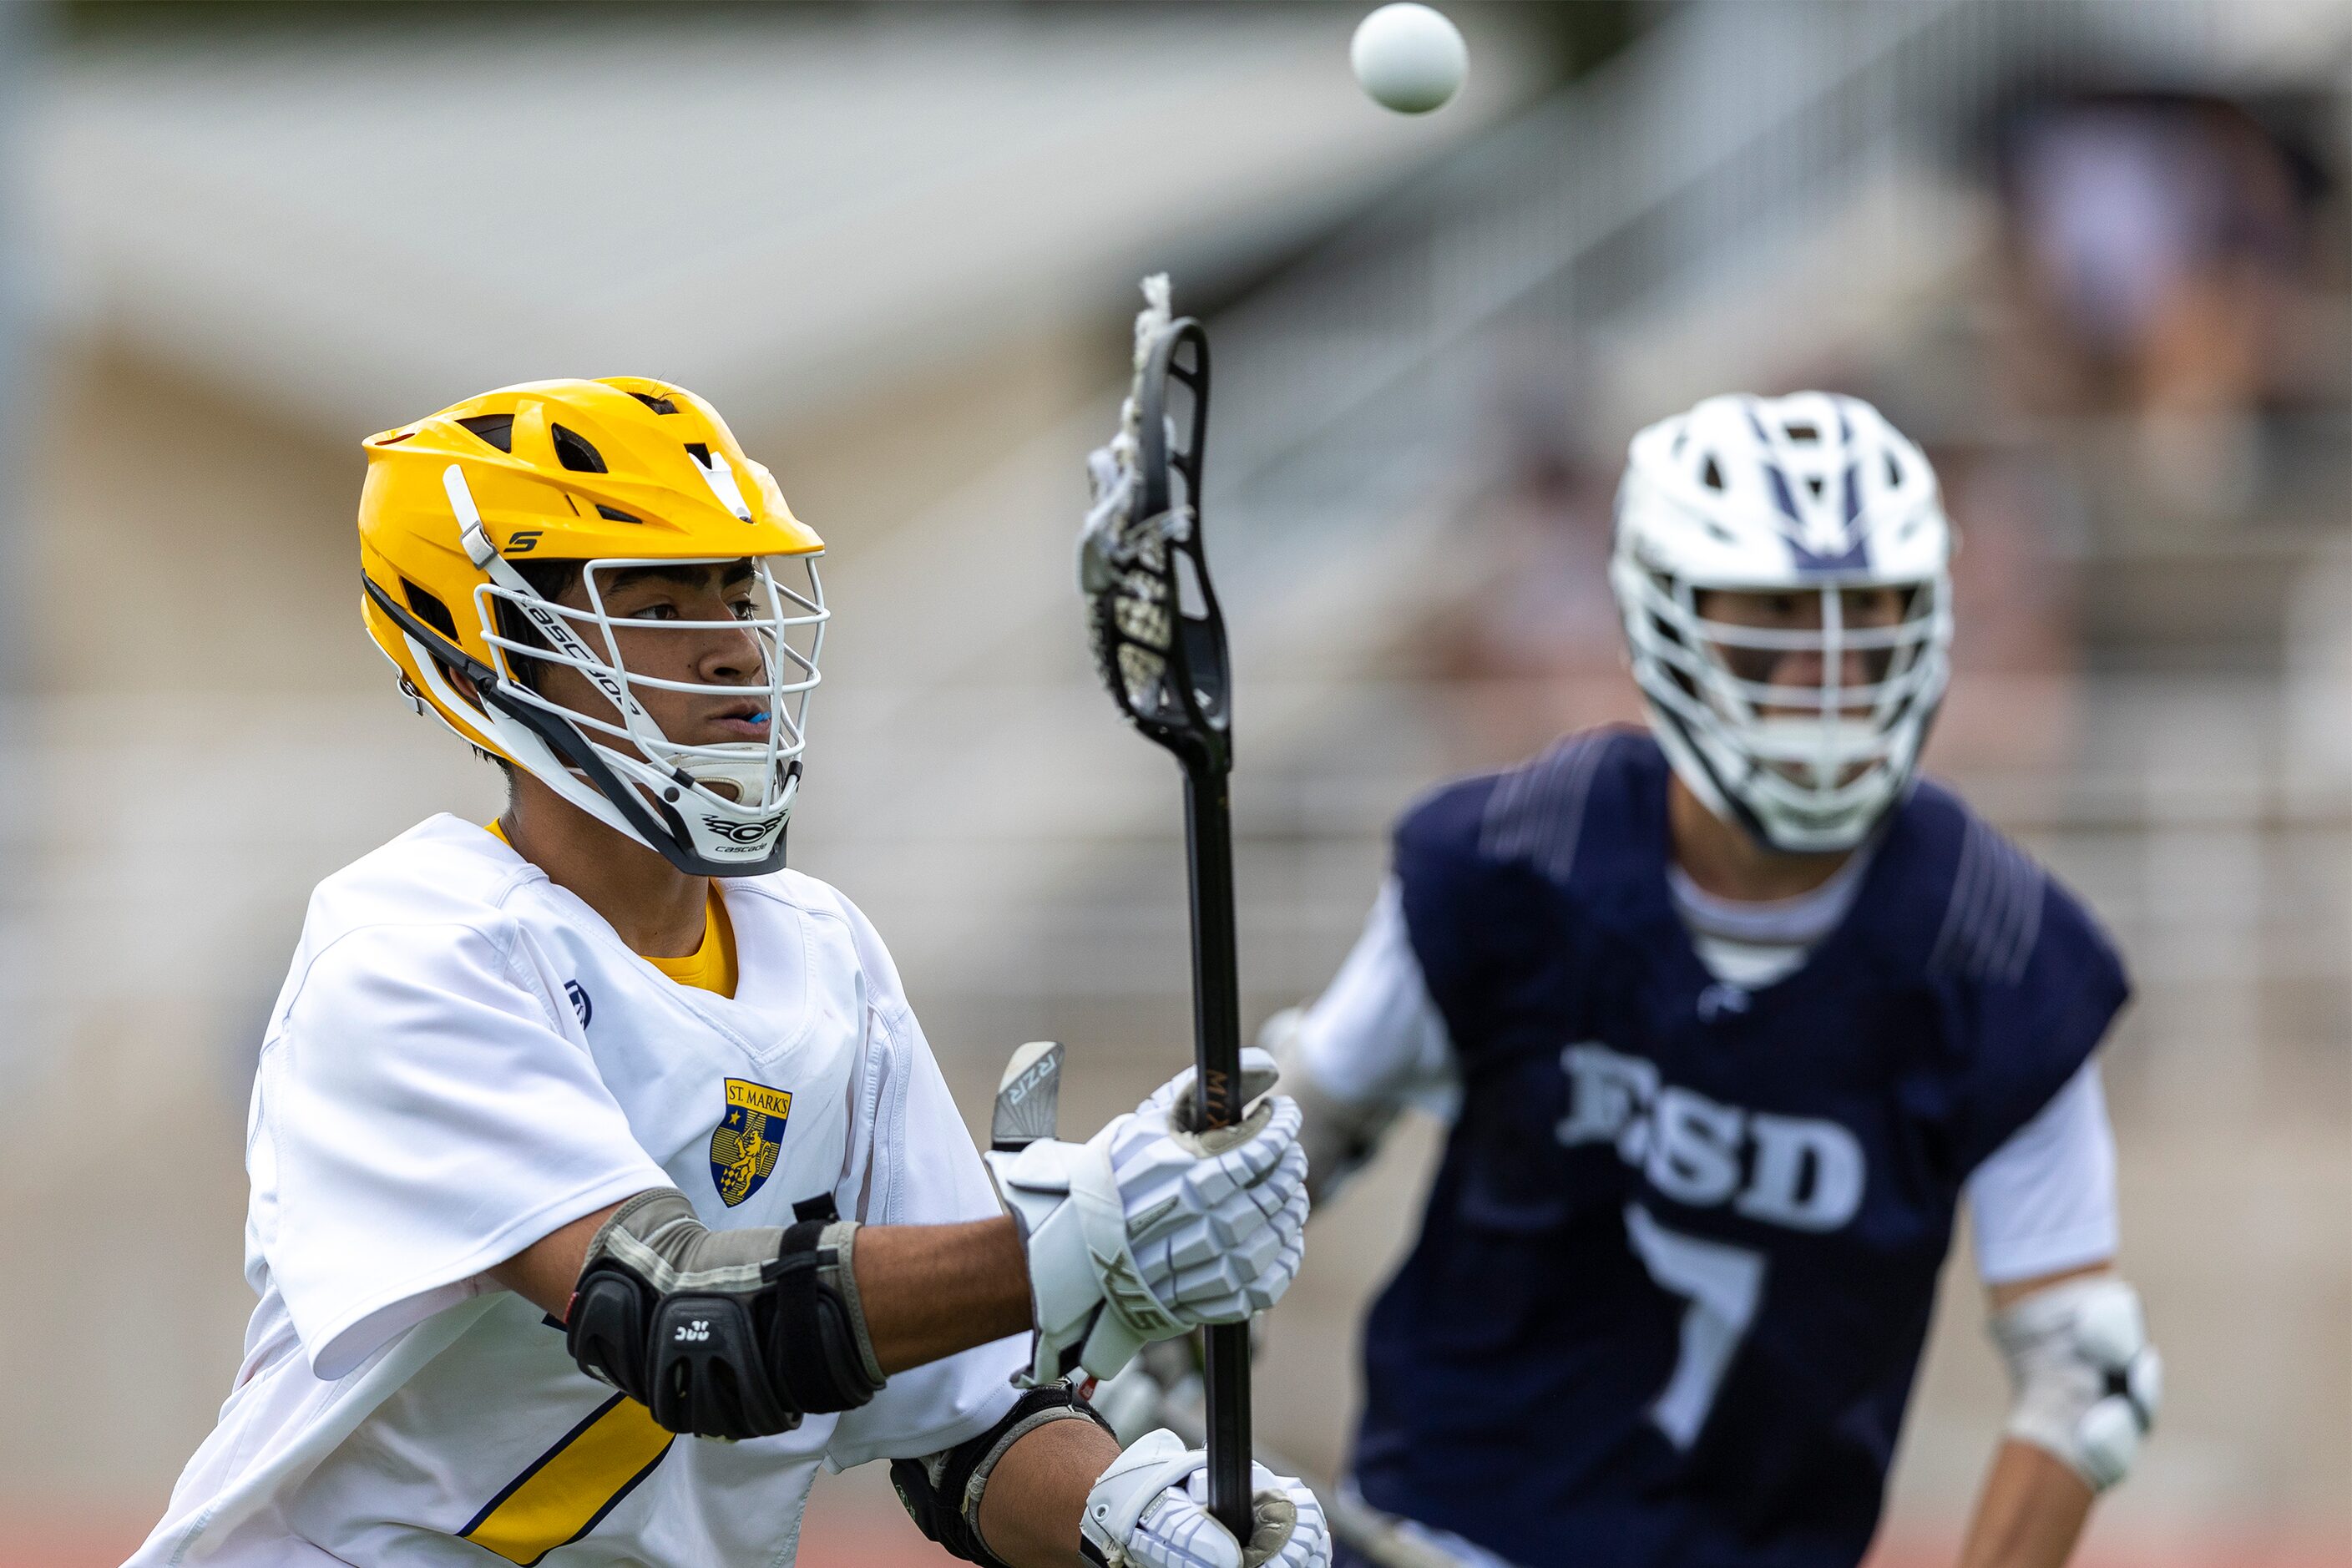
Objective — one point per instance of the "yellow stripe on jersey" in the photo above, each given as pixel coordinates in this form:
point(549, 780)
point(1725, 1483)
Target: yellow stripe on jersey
point(568, 1490)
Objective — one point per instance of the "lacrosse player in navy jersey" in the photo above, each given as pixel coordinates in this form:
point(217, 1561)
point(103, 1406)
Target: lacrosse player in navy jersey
point(1730, 1019)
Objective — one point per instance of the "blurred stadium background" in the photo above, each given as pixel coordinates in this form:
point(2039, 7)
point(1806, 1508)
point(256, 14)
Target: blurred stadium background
point(2092, 254)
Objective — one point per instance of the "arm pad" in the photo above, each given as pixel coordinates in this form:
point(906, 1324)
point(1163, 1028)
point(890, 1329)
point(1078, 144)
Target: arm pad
point(730, 1333)
point(942, 1491)
point(2086, 1381)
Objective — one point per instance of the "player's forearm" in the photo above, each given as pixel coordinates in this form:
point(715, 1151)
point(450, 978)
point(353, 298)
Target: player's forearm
point(2030, 1514)
point(929, 1290)
point(1029, 1514)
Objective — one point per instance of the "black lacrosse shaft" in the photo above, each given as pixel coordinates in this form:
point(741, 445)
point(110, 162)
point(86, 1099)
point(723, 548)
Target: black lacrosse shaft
point(1217, 1049)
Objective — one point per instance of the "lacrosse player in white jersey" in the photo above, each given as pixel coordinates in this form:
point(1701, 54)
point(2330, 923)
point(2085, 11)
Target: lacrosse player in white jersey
point(603, 1185)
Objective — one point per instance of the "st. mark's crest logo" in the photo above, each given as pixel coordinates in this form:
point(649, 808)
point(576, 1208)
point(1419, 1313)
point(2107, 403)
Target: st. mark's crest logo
point(744, 1149)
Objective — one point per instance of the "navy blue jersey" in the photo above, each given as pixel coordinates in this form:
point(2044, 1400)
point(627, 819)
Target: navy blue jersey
point(1675, 1271)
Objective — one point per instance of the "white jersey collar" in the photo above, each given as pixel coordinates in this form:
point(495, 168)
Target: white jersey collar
point(1800, 922)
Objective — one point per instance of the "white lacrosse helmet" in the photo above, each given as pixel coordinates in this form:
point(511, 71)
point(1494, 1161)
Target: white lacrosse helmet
point(1811, 494)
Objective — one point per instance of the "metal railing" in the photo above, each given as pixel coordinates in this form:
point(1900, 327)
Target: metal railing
point(1345, 384)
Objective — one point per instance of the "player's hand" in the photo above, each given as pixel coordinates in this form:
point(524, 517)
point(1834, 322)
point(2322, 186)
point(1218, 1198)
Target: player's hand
point(1149, 1229)
point(1151, 1509)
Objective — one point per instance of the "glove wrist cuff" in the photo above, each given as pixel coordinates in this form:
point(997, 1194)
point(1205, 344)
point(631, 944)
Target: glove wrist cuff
point(1065, 1293)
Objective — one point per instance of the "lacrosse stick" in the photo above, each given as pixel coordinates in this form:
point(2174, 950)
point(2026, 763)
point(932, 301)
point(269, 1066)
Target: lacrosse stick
point(1160, 643)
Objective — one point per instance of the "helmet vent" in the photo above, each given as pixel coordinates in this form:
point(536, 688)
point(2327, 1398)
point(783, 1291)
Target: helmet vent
point(1803, 433)
point(698, 452)
point(659, 404)
point(614, 514)
point(1711, 475)
point(1894, 474)
point(497, 430)
point(430, 609)
point(573, 451)
point(1815, 485)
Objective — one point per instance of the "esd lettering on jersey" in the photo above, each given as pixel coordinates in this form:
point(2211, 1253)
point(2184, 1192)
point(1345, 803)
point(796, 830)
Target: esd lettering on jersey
point(1805, 1173)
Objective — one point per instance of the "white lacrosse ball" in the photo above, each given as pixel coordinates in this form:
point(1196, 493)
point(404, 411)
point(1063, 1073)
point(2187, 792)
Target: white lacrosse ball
point(1408, 58)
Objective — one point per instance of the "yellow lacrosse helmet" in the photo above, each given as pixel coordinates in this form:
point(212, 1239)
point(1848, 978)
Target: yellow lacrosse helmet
point(461, 506)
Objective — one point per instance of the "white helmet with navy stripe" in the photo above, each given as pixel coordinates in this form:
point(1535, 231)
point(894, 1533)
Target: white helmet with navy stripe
point(1803, 724)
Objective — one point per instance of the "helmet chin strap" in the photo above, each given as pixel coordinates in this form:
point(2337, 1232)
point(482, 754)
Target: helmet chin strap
point(529, 750)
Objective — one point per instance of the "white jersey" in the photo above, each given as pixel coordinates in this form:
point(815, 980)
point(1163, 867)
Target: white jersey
point(466, 1056)
point(2043, 1203)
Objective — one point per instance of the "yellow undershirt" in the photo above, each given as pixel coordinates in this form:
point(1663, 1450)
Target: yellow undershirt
point(710, 966)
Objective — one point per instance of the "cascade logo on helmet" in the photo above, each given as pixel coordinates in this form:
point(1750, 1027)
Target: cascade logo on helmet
point(746, 832)
point(617, 484)
point(1782, 565)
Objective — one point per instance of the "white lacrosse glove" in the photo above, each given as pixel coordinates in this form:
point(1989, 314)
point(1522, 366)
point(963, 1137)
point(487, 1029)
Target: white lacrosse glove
point(1149, 1229)
point(1151, 1509)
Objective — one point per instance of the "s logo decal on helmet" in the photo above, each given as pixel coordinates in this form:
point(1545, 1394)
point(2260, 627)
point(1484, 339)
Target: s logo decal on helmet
point(596, 477)
point(1814, 499)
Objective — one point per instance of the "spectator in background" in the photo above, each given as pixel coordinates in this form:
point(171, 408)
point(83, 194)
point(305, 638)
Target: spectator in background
point(2161, 244)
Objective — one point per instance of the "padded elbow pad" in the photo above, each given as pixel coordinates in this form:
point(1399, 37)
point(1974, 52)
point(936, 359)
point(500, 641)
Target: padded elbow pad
point(942, 1491)
point(693, 1358)
point(726, 1334)
point(2087, 1382)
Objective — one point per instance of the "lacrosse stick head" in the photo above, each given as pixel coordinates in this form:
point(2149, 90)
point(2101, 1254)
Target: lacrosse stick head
point(1157, 636)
